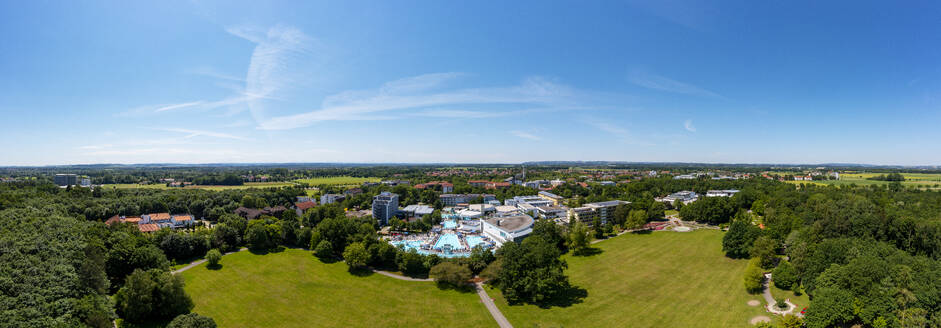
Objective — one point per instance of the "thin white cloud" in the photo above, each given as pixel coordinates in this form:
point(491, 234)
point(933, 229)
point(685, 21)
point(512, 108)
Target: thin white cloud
point(662, 83)
point(363, 105)
point(210, 72)
point(178, 106)
point(270, 69)
point(622, 134)
point(525, 135)
point(196, 133)
point(94, 147)
point(688, 125)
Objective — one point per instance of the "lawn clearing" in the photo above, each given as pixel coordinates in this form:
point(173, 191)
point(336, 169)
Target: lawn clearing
point(801, 300)
point(294, 289)
point(333, 181)
point(662, 279)
point(919, 180)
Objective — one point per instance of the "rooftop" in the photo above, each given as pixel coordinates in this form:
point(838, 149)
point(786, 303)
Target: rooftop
point(511, 223)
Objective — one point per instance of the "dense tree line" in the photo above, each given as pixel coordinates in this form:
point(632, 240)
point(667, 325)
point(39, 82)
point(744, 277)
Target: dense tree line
point(866, 255)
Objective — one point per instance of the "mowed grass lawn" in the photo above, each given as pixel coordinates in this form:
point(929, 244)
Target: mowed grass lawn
point(294, 289)
point(662, 279)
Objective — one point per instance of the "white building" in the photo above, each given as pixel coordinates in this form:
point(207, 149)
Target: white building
point(721, 193)
point(331, 198)
point(417, 210)
point(684, 196)
point(507, 229)
point(588, 212)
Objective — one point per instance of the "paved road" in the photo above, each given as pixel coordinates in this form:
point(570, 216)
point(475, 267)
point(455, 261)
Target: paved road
point(494, 311)
point(198, 262)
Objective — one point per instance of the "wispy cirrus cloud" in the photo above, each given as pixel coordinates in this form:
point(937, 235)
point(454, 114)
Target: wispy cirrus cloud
point(688, 125)
point(622, 134)
point(197, 133)
point(662, 83)
point(421, 92)
point(525, 135)
point(273, 64)
point(273, 67)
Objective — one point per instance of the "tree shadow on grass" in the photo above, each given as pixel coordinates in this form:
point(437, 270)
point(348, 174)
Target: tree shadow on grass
point(326, 260)
point(361, 272)
point(642, 232)
point(259, 251)
point(569, 296)
point(589, 251)
point(464, 288)
point(148, 324)
point(218, 266)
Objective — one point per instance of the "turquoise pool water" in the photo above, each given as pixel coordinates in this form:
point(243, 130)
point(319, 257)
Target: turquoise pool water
point(449, 224)
point(448, 239)
point(409, 245)
point(473, 241)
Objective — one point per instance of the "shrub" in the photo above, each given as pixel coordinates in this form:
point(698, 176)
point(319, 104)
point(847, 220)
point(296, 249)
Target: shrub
point(754, 276)
point(450, 273)
point(324, 250)
point(192, 320)
point(213, 256)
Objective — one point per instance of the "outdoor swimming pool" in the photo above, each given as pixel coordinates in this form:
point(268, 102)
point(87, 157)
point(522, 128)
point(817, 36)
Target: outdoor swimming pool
point(448, 239)
point(408, 244)
point(449, 224)
point(473, 241)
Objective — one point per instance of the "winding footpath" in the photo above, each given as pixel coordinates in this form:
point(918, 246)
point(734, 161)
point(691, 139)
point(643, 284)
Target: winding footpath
point(771, 302)
point(400, 277)
point(481, 292)
point(488, 302)
point(198, 262)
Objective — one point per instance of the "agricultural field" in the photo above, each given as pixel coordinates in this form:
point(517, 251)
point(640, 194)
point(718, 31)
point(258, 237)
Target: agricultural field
point(920, 180)
point(292, 288)
point(247, 185)
point(662, 279)
point(333, 181)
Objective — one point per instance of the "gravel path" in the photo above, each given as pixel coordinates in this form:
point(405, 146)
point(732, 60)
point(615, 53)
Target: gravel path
point(494, 311)
point(771, 302)
point(400, 277)
point(198, 262)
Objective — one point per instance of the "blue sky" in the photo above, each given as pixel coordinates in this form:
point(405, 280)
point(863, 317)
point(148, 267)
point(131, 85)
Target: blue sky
point(487, 82)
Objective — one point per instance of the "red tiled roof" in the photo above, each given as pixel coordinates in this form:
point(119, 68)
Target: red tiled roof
point(159, 216)
point(134, 220)
point(184, 217)
point(305, 205)
point(113, 220)
point(149, 227)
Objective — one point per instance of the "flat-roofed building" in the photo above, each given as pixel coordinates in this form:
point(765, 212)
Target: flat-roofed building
point(63, 180)
point(555, 199)
point(552, 212)
point(588, 212)
point(454, 199)
point(384, 207)
point(721, 193)
point(507, 229)
point(417, 211)
point(684, 196)
point(331, 198)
